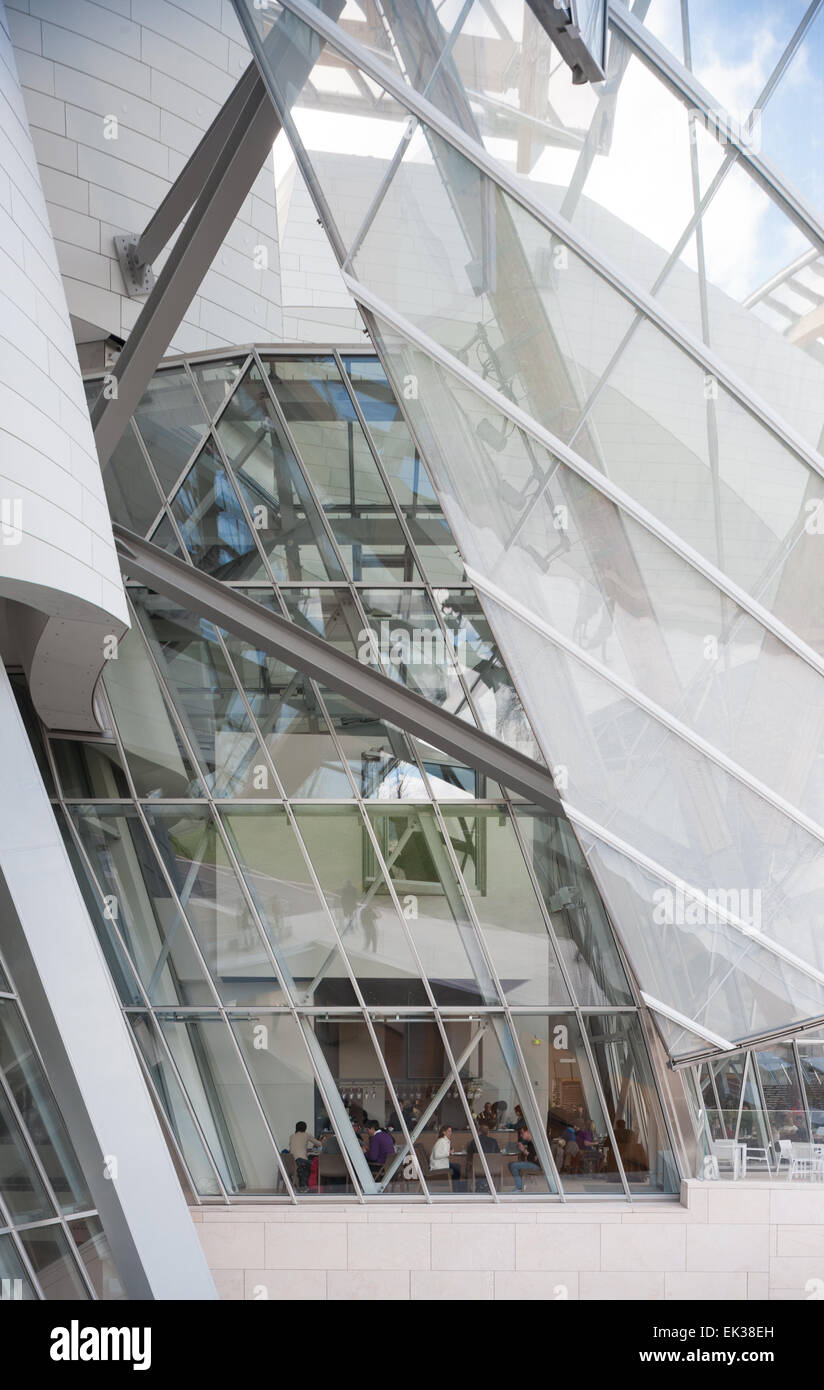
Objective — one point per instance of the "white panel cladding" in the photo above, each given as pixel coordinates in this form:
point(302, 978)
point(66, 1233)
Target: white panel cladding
point(57, 555)
point(163, 76)
point(720, 1243)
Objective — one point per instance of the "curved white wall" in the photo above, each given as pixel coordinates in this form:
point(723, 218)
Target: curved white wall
point(60, 584)
point(163, 73)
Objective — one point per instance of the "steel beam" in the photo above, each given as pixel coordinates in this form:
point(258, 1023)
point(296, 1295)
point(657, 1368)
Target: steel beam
point(235, 170)
point(267, 631)
point(186, 188)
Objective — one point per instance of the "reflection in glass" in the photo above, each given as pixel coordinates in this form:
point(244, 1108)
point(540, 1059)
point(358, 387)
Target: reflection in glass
point(356, 891)
point(13, 1269)
point(408, 478)
point(138, 901)
point(504, 900)
point(286, 518)
point(298, 927)
point(210, 894)
point(89, 769)
point(566, 1093)
point(339, 463)
point(201, 682)
point(53, 1263)
point(171, 421)
point(433, 900)
point(38, 1111)
point(212, 523)
point(96, 1257)
point(218, 1089)
point(174, 1105)
point(632, 1102)
point(23, 1191)
point(158, 761)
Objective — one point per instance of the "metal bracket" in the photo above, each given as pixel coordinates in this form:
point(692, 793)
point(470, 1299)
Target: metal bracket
point(138, 277)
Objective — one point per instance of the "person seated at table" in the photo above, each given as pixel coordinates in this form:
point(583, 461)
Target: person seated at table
point(378, 1145)
point(527, 1161)
point(440, 1156)
point(488, 1116)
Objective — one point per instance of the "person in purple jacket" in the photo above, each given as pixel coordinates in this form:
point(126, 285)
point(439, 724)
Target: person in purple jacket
point(380, 1145)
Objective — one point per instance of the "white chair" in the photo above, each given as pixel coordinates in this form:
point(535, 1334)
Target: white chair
point(731, 1154)
point(758, 1155)
point(807, 1161)
point(785, 1151)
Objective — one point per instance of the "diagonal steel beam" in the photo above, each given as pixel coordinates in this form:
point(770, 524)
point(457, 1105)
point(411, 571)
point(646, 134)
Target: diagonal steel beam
point(186, 188)
point(269, 632)
point(237, 166)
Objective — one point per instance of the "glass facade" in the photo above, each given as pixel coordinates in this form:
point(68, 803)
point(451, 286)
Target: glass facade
point(310, 915)
point(52, 1243)
point(622, 416)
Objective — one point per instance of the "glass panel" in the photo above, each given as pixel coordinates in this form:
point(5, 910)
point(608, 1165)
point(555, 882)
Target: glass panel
point(131, 491)
point(23, 1192)
point(780, 1086)
point(340, 466)
point(410, 646)
point(89, 769)
point(579, 920)
point(212, 523)
point(516, 307)
point(762, 299)
point(499, 710)
point(96, 1257)
point(379, 755)
point(215, 381)
point(102, 916)
point(492, 1079)
point(687, 955)
point(735, 60)
point(410, 483)
point(356, 892)
point(138, 900)
point(224, 1102)
point(798, 91)
point(196, 672)
point(632, 1102)
point(811, 1056)
point(168, 1092)
point(327, 613)
point(13, 1269)
point(496, 878)
point(158, 761)
point(350, 1058)
point(415, 856)
point(210, 894)
point(52, 1261)
point(288, 524)
point(566, 1093)
point(171, 421)
point(291, 723)
point(359, 113)
point(302, 938)
point(38, 1110)
point(278, 1060)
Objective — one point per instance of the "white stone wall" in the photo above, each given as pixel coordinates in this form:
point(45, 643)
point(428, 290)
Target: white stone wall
point(57, 555)
point(721, 1242)
point(163, 68)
